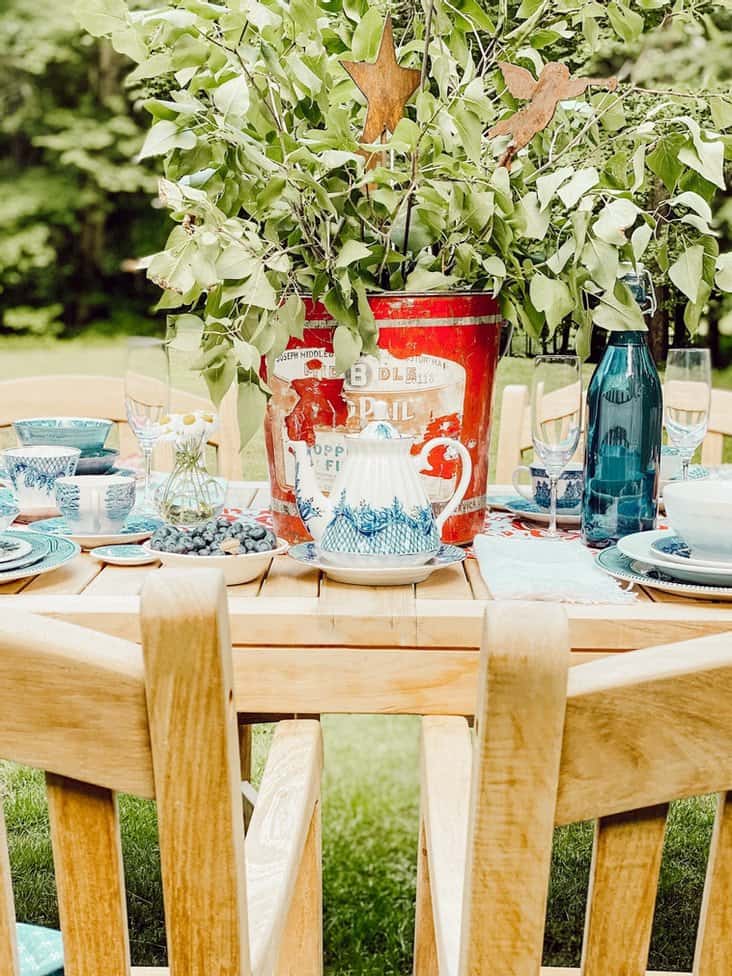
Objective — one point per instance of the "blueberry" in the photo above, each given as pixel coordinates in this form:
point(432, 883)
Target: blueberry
point(205, 551)
point(258, 533)
point(262, 547)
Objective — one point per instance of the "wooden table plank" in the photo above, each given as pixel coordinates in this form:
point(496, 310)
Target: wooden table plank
point(449, 583)
point(120, 580)
point(288, 578)
point(72, 578)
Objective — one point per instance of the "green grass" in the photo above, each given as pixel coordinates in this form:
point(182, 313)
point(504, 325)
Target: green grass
point(370, 807)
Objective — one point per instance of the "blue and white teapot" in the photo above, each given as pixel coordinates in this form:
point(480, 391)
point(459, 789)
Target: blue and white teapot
point(378, 510)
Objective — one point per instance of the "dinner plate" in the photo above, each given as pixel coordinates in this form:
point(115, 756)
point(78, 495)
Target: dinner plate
point(675, 550)
point(60, 551)
point(12, 548)
point(641, 546)
point(136, 529)
point(531, 512)
point(308, 554)
point(38, 547)
point(621, 567)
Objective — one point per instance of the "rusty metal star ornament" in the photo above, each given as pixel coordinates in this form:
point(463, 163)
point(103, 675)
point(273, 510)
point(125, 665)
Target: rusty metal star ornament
point(387, 87)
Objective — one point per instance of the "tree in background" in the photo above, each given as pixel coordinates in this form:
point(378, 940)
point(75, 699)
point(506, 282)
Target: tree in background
point(73, 202)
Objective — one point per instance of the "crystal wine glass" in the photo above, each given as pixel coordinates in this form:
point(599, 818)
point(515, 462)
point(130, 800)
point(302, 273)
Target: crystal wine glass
point(687, 396)
point(556, 408)
point(147, 397)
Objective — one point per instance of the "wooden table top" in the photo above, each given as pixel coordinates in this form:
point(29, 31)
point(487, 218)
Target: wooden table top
point(349, 648)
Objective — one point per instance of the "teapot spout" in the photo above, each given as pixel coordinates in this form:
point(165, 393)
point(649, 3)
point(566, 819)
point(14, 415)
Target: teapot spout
point(315, 509)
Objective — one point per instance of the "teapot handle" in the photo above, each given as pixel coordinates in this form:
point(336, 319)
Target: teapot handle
point(462, 487)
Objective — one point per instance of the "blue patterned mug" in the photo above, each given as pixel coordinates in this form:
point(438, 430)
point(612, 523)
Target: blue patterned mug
point(570, 485)
point(96, 504)
point(34, 471)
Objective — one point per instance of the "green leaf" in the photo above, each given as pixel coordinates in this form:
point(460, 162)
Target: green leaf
point(552, 297)
point(640, 239)
point(582, 181)
point(101, 17)
point(626, 23)
point(351, 252)
point(557, 261)
point(547, 186)
point(247, 355)
point(423, 280)
point(601, 260)
point(535, 221)
point(185, 332)
point(130, 43)
point(693, 202)
point(219, 377)
point(614, 219)
point(232, 98)
point(367, 36)
point(163, 137)
point(694, 310)
point(686, 271)
point(610, 110)
point(664, 160)
point(618, 311)
point(251, 406)
point(347, 347)
point(723, 277)
point(721, 109)
point(707, 159)
point(292, 315)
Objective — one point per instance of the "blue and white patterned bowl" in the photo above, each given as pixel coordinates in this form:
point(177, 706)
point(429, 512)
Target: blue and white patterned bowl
point(34, 471)
point(86, 433)
point(95, 504)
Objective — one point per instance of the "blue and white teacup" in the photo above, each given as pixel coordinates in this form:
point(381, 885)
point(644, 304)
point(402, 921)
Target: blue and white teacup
point(95, 504)
point(570, 486)
point(34, 471)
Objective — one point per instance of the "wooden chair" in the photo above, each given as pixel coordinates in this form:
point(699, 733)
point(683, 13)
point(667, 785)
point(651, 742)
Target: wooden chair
point(612, 741)
point(514, 429)
point(104, 396)
point(720, 426)
point(105, 716)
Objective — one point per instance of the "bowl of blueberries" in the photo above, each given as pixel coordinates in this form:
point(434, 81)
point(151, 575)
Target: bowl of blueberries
point(241, 548)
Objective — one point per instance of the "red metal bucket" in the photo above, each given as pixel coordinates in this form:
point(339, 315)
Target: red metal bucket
point(435, 373)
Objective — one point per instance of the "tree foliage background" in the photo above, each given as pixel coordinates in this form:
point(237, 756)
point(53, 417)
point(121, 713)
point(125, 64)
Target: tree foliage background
point(74, 206)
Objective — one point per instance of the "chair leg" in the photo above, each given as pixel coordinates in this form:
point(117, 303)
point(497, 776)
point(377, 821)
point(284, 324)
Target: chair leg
point(301, 952)
point(425, 944)
point(245, 765)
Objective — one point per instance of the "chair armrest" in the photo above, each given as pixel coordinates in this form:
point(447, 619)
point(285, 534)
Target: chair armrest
point(277, 833)
point(447, 754)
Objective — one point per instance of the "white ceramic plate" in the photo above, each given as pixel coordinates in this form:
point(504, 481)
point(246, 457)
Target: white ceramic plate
point(621, 567)
point(60, 552)
point(530, 512)
point(639, 547)
point(308, 554)
point(124, 555)
point(679, 553)
point(236, 569)
point(19, 549)
point(137, 529)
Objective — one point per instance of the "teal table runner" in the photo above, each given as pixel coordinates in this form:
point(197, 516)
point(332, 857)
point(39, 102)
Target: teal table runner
point(41, 952)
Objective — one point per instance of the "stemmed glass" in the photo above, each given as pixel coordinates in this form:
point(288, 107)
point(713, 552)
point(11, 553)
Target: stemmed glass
point(556, 408)
point(687, 396)
point(147, 398)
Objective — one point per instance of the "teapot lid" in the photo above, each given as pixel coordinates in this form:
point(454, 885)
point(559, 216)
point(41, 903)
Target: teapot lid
point(379, 429)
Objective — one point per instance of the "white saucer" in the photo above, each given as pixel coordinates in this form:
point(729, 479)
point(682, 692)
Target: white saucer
point(124, 555)
point(308, 554)
point(638, 547)
point(20, 548)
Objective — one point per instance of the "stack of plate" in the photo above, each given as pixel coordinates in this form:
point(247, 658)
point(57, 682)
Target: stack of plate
point(661, 560)
point(137, 528)
point(24, 554)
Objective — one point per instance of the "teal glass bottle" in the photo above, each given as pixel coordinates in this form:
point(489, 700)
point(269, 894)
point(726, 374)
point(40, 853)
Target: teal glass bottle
point(623, 437)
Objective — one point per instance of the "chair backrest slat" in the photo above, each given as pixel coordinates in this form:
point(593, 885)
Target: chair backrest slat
point(714, 936)
point(103, 396)
point(720, 426)
point(85, 689)
point(9, 965)
point(626, 860)
point(646, 727)
point(87, 857)
point(193, 735)
point(520, 718)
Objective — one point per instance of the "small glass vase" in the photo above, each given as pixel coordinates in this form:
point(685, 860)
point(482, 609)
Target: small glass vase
point(190, 495)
